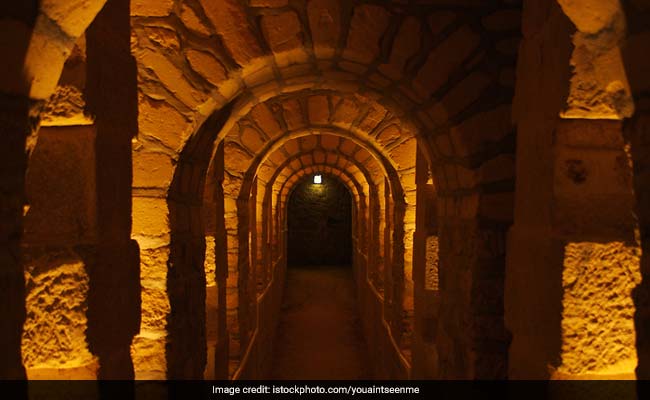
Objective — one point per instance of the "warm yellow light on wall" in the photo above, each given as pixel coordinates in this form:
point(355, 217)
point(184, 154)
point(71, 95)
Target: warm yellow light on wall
point(598, 335)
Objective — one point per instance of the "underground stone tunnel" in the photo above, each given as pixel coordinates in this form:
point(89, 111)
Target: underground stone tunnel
point(492, 156)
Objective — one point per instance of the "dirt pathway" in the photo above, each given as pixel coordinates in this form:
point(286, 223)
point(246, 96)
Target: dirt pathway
point(319, 335)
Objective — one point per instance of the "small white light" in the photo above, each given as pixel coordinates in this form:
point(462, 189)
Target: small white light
point(318, 179)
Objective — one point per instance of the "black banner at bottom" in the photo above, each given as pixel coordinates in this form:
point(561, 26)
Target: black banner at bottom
point(212, 390)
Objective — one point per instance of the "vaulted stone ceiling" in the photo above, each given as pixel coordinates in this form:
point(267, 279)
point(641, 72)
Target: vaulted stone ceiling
point(196, 56)
point(168, 162)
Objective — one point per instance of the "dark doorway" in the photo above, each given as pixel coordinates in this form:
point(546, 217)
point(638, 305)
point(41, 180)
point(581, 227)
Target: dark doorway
point(319, 218)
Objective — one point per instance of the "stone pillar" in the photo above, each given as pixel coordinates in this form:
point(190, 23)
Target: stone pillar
point(533, 267)
point(17, 122)
point(402, 303)
point(371, 243)
point(235, 209)
point(573, 256)
point(425, 276)
point(243, 276)
point(253, 236)
point(265, 246)
point(114, 293)
point(637, 129)
point(221, 257)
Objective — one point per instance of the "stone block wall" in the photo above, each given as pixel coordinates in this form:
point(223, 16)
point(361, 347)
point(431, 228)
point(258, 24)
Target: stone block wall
point(320, 224)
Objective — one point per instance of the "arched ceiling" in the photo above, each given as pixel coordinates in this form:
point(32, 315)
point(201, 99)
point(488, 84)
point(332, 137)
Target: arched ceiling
point(195, 56)
point(272, 126)
point(316, 152)
point(443, 68)
point(325, 148)
point(353, 170)
point(324, 117)
point(350, 182)
point(280, 118)
point(281, 199)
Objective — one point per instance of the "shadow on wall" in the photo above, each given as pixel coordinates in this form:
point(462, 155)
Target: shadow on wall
point(320, 223)
point(15, 127)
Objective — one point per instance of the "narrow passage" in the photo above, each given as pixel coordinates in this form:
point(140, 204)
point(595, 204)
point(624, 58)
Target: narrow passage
point(320, 334)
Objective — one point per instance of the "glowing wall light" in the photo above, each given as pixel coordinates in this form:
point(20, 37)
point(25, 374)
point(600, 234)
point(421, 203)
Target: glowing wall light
point(318, 179)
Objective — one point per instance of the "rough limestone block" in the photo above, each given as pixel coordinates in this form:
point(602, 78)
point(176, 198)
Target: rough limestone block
point(230, 20)
point(346, 112)
point(152, 170)
point(293, 114)
point(207, 66)
point(474, 132)
point(282, 31)
point(598, 335)
point(443, 60)
point(159, 120)
point(54, 335)
point(251, 139)
point(172, 77)
point(406, 44)
point(147, 8)
point(318, 109)
point(368, 24)
point(151, 222)
point(325, 26)
point(265, 120)
point(192, 21)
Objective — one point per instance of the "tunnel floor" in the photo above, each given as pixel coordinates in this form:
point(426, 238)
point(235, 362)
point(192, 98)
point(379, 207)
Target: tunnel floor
point(320, 335)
